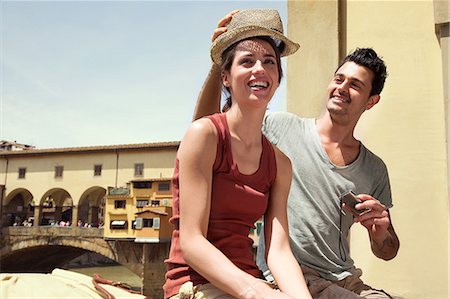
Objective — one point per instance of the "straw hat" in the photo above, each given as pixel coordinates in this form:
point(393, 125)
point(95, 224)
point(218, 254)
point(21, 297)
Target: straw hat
point(252, 23)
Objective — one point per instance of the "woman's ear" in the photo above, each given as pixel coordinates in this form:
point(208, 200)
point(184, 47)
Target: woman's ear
point(225, 79)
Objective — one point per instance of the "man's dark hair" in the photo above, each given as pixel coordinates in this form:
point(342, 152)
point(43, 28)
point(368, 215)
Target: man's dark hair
point(368, 58)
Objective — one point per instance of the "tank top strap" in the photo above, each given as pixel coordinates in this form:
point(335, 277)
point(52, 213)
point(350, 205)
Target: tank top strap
point(223, 141)
point(269, 158)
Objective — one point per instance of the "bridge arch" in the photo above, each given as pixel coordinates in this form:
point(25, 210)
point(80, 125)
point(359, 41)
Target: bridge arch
point(91, 206)
point(17, 207)
point(55, 206)
point(32, 249)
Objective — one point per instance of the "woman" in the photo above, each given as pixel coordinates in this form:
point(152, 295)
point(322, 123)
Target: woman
point(228, 175)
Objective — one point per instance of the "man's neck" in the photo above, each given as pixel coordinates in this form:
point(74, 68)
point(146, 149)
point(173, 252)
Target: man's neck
point(337, 139)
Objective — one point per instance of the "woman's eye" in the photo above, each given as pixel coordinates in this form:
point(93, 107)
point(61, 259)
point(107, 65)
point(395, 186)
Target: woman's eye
point(270, 61)
point(246, 61)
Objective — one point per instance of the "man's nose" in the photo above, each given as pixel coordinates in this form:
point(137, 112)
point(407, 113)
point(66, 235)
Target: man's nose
point(343, 86)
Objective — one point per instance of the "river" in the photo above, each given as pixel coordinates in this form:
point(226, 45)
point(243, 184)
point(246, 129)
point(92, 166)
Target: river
point(112, 272)
point(92, 263)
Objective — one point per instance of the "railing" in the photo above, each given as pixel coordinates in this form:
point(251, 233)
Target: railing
point(90, 232)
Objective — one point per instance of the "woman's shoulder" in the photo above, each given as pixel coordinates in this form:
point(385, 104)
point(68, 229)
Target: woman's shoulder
point(201, 132)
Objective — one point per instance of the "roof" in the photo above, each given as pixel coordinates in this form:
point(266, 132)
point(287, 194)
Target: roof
point(152, 211)
point(13, 146)
point(152, 180)
point(92, 149)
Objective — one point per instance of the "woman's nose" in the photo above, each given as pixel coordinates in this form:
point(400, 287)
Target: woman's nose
point(258, 68)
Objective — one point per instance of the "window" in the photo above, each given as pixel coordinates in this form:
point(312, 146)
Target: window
point(139, 169)
point(59, 171)
point(164, 186)
point(147, 222)
point(141, 223)
point(98, 170)
point(119, 224)
point(22, 171)
point(140, 203)
point(120, 204)
point(137, 224)
point(155, 203)
point(152, 222)
point(259, 227)
point(142, 185)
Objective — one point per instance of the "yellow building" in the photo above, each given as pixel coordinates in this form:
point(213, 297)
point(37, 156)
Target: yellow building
point(408, 129)
point(69, 184)
point(140, 212)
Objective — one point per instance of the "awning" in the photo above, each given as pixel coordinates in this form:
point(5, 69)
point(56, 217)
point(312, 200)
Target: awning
point(118, 222)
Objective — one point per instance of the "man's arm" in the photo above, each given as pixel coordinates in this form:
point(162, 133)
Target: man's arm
point(208, 101)
point(386, 247)
point(383, 239)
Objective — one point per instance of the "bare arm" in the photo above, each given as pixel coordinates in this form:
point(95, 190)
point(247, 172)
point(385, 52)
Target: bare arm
point(383, 239)
point(196, 160)
point(281, 261)
point(208, 101)
point(386, 248)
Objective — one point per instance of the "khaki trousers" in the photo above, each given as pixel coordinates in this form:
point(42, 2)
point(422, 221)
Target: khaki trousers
point(352, 287)
point(204, 291)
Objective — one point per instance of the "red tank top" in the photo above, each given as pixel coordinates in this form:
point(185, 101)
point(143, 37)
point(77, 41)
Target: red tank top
point(237, 202)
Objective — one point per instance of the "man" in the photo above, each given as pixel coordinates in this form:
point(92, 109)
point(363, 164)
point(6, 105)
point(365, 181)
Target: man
point(327, 161)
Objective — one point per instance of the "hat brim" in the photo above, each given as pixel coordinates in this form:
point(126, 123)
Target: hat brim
point(228, 38)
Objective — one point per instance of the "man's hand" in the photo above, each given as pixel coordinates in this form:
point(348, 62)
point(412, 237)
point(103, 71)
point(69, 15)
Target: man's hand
point(377, 221)
point(221, 26)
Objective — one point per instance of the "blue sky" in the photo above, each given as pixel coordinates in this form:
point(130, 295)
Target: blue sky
point(85, 73)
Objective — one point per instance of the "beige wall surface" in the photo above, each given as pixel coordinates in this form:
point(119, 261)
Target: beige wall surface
point(313, 24)
point(407, 129)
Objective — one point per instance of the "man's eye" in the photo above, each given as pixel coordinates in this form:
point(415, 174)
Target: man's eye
point(270, 61)
point(356, 86)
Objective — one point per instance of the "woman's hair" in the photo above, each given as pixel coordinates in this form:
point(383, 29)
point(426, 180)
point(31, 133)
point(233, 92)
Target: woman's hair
point(228, 57)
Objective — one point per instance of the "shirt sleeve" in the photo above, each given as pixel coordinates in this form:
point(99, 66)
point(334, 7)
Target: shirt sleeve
point(382, 190)
point(274, 126)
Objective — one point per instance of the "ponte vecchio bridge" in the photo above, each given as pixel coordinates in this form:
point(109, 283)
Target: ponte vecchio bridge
point(42, 188)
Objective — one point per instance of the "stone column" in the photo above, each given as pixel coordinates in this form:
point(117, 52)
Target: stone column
point(89, 219)
point(93, 215)
point(74, 216)
point(154, 269)
point(37, 215)
point(58, 213)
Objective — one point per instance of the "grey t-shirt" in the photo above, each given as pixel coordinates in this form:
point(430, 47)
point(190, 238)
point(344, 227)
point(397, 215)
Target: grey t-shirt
point(318, 227)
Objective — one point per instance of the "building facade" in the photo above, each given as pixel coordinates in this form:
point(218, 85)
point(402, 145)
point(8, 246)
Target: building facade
point(68, 185)
point(140, 212)
point(409, 128)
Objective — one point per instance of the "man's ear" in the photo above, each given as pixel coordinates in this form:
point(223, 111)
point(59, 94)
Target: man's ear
point(373, 100)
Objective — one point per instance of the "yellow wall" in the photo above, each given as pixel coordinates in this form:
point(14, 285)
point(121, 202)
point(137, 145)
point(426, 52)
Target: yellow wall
point(407, 128)
point(126, 214)
point(78, 173)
